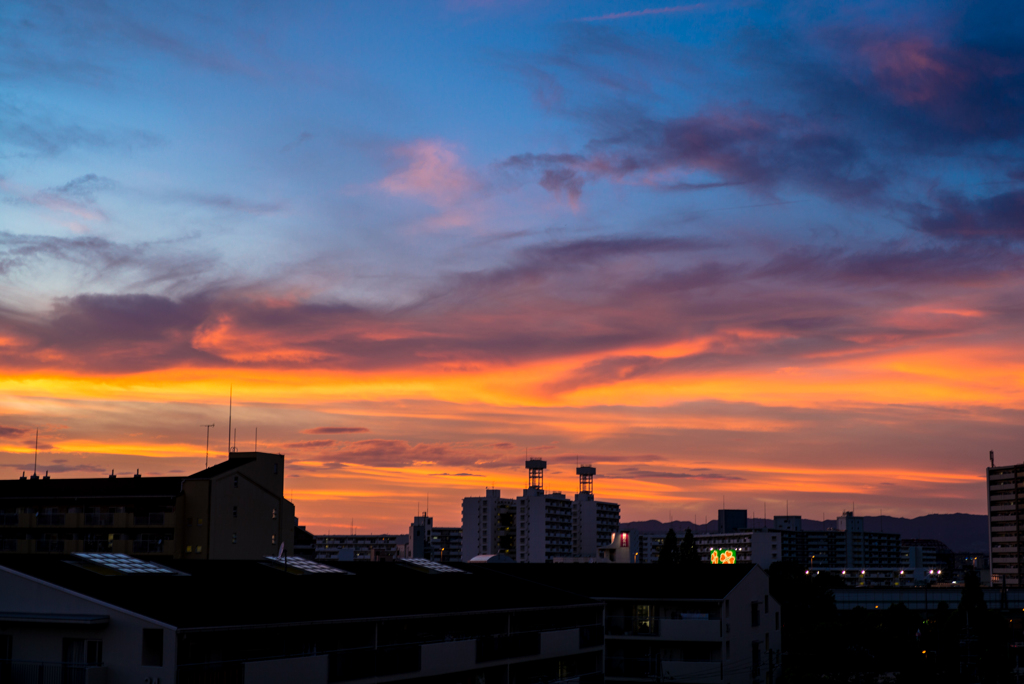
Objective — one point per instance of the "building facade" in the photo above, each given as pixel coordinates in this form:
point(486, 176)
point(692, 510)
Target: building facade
point(538, 526)
point(84, 620)
point(233, 510)
point(1006, 523)
point(360, 547)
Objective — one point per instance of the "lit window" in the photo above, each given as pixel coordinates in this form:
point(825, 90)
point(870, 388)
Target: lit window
point(273, 539)
point(199, 549)
point(273, 513)
point(188, 549)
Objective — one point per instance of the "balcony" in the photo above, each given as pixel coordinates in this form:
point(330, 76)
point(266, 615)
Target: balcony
point(148, 518)
point(99, 519)
point(17, 671)
point(690, 630)
point(8, 518)
point(148, 546)
point(49, 546)
point(49, 519)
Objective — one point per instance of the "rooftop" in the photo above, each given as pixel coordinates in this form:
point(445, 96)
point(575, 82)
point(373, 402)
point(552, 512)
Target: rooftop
point(212, 593)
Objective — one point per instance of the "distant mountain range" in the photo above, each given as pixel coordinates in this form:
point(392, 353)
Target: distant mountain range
point(959, 531)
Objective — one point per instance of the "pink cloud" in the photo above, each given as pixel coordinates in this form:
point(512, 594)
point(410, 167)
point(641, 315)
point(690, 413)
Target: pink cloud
point(434, 173)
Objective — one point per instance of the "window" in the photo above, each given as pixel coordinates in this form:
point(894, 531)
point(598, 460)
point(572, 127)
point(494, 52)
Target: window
point(273, 539)
point(755, 614)
point(273, 514)
point(275, 469)
point(234, 537)
point(82, 652)
point(236, 482)
point(200, 522)
point(153, 647)
point(188, 549)
point(199, 549)
point(234, 511)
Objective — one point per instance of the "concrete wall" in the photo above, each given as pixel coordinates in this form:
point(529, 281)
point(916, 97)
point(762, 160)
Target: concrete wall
point(311, 670)
point(121, 637)
point(255, 531)
point(740, 633)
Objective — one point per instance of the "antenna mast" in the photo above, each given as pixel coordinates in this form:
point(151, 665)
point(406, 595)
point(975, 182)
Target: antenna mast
point(35, 459)
point(207, 442)
point(256, 440)
point(231, 391)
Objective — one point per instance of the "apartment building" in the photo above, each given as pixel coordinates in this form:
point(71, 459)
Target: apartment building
point(360, 547)
point(488, 525)
point(113, 618)
point(700, 624)
point(1005, 522)
point(538, 526)
point(235, 509)
point(441, 544)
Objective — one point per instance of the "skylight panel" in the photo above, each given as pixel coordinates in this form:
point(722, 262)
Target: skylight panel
point(307, 565)
point(126, 564)
point(430, 566)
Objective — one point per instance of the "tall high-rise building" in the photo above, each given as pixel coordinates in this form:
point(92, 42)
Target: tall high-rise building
point(538, 526)
point(488, 525)
point(593, 522)
point(1005, 522)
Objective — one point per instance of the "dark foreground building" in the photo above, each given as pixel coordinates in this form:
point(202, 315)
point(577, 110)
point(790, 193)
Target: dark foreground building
point(113, 618)
point(234, 509)
point(707, 623)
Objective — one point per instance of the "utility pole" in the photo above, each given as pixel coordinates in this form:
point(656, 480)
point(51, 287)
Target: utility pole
point(207, 442)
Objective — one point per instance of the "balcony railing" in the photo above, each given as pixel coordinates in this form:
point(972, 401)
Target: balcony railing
point(49, 546)
point(147, 546)
point(50, 519)
point(8, 518)
point(33, 672)
point(9, 545)
point(99, 518)
point(149, 518)
point(96, 546)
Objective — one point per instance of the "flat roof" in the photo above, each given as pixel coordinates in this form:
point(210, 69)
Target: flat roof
point(628, 580)
point(212, 593)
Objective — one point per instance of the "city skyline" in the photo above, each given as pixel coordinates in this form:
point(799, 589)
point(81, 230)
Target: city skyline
point(771, 252)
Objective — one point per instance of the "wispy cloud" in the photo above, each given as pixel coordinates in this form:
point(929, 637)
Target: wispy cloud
point(675, 9)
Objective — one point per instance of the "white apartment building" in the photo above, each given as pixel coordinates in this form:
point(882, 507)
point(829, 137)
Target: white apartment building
point(538, 526)
point(488, 525)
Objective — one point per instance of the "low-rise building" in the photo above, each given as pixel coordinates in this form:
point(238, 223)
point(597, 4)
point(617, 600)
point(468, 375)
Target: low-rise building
point(699, 624)
point(360, 547)
point(234, 509)
point(110, 618)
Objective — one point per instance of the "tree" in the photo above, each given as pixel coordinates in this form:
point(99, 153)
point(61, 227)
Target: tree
point(669, 550)
point(688, 554)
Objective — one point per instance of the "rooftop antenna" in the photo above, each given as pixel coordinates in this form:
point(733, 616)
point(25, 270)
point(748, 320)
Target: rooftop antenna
point(765, 514)
point(231, 391)
point(787, 508)
point(208, 442)
point(235, 448)
point(256, 440)
point(35, 459)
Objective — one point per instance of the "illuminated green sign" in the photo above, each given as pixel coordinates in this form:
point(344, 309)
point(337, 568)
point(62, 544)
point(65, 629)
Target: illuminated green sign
point(723, 556)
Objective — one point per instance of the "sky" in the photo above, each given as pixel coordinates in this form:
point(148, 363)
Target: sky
point(760, 254)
